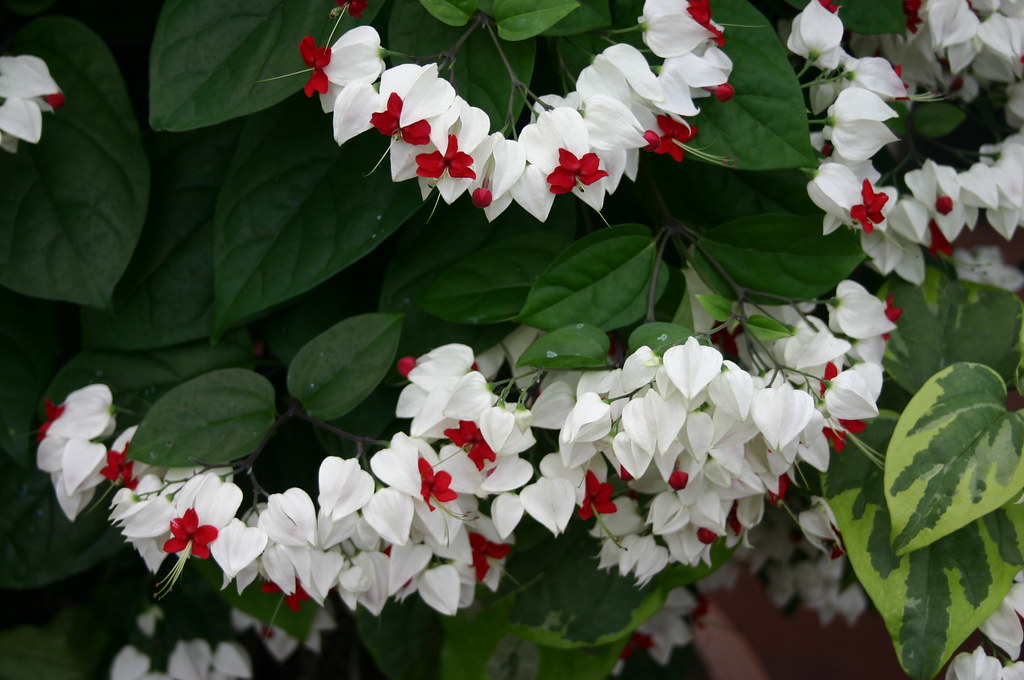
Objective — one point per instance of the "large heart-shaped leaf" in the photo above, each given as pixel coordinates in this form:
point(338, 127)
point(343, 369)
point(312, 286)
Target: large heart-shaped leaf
point(138, 379)
point(764, 125)
point(28, 348)
point(451, 12)
point(72, 206)
point(214, 418)
point(522, 19)
point(295, 209)
point(38, 544)
point(940, 326)
point(931, 599)
point(602, 279)
point(337, 369)
point(571, 346)
point(778, 254)
point(492, 284)
point(166, 296)
point(955, 456)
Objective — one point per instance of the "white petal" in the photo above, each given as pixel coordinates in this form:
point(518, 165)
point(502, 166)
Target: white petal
point(550, 502)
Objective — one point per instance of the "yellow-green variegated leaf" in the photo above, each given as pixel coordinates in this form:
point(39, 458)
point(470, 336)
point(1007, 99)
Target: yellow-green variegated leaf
point(955, 455)
point(933, 598)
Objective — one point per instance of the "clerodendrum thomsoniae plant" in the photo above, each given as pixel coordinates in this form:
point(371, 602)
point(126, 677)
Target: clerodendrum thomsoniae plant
point(510, 429)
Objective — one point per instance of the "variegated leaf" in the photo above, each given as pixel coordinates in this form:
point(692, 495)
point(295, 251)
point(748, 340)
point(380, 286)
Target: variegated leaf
point(933, 598)
point(942, 323)
point(955, 455)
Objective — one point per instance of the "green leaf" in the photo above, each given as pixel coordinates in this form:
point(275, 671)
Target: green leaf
point(765, 124)
point(955, 455)
point(53, 242)
point(471, 638)
point(28, 7)
point(522, 19)
point(38, 544)
point(267, 607)
point(339, 368)
point(562, 600)
point(708, 195)
point(933, 598)
point(717, 307)
point(590, 15)
point(937, 119)
point(765, 328)
point(411, 627)
point(208, 58)
point(295, 209)
point(480, 75)
point(591, 663)
point(602, 279)
point(451, 12)
point(778, 254)
point(571, 346)
point(166, 295)
point(659, 336)
point(492, 284)
point(28, 349)
point(70, 647)
point(215, 418)
point(139, 379)
point(872, 16)
point(942, 324)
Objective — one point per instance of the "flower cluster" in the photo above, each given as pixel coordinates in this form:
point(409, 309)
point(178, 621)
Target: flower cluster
point(26, 90)
point(664, 457)
point(581, 143)
point(952, 46)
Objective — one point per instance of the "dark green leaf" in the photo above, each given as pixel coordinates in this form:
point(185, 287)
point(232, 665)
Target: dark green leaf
point(287, 331)
point(208, 57)
point(940, 326)
point(590, 663)
point(53, 242)
point(708, 195)
point(471, 639)
point(166, 296)
point(778, 254)
point(338, 368)
point(283, 226)
point(589, 16)
point(765, 124)
point(717, 307)
point(658, 336)
point(937, 119)
point(522, 19)
point(267, 607)
point(28, 348)
point(139, 379)
point(956, 442)
point(28, 7)
point(602, 279)
point(571, 346)
point(765, 328)
point(215, 418)
point(563, 600)
point(411, 627)
point(933, 598)
point(425, 249)
point(38, 545)
point(492, 284)
point(872, 16)
point(451, 12)
point(70, 647)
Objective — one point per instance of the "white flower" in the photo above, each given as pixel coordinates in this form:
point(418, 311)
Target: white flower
point(816, 35)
